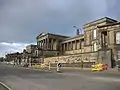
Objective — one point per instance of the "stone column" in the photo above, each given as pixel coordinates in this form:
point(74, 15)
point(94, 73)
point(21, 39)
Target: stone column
point(64, 46)
point(80, 44)
point(71, 46)
point(99, 40)
point(75, 44)
point(108, 38)
point(37, 42)
point(48, 45)
point(44, 43)
point(52, 44)
point(40, 44)
point(102, 40)
point(67, 47)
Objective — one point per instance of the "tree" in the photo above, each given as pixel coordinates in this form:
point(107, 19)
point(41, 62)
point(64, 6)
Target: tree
point(1, 59)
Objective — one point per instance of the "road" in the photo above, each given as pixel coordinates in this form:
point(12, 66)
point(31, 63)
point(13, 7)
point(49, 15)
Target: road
point(27, 79)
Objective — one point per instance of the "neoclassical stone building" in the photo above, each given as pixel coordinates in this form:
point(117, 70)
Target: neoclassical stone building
point(32, 54)
point(99, 43)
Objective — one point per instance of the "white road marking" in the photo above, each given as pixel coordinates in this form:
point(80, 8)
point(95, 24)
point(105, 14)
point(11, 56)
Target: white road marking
point(5, 86)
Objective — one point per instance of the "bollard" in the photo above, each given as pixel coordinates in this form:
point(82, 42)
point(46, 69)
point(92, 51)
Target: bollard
point(58, 67)
point(49, 67)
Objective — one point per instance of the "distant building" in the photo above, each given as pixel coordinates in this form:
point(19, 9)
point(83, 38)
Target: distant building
point(16, 57)
point(32, 54)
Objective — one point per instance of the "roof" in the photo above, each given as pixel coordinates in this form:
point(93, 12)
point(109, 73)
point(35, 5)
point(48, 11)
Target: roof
point(31, 45)
point(111, 24)
point(58, 35)
point(102, 19)
point(15, 53)
point(44, 34)
point(81, 35)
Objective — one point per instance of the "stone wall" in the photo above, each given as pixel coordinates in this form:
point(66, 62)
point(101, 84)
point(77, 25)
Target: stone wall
point(74, 51)
point(50, 53)
point(87, 57)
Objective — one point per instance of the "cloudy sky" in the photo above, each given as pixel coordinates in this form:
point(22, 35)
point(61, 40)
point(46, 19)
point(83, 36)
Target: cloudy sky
point(22, 20)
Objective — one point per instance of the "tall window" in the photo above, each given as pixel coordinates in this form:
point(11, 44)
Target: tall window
point(94, 47)
point(118, 54)
point(118, 38)
point(94, 34)
point(36, 52)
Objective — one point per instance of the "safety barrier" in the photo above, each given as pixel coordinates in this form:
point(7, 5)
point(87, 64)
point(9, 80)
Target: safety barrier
point(4, 87)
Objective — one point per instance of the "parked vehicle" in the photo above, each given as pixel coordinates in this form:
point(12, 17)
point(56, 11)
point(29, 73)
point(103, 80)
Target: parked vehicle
point(99, 67)
point(40, 66)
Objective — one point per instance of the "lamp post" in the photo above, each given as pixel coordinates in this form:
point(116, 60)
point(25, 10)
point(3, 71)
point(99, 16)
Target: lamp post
point(78, 29)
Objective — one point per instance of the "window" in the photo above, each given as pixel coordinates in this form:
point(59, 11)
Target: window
point(118, 54)
point(94, 34)
point(94, 47)
point(118, 38)
point(36, 52)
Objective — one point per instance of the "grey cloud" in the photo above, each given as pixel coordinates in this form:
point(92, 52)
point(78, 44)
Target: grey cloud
point(114, 8)
point(23, 20)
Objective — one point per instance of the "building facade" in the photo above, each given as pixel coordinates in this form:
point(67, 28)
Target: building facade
point(50, 43)
point(99, 43)
point(15, 57)
point(32, 54)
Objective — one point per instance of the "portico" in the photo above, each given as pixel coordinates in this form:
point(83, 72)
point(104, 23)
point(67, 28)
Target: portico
point(72, 44)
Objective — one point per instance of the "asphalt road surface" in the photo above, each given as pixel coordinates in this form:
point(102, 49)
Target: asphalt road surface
point(26, 79)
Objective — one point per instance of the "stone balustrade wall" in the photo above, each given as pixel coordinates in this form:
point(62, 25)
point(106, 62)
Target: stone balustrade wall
point(91, 57)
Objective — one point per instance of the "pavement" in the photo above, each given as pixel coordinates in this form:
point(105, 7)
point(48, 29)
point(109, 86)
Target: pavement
point(31, 79)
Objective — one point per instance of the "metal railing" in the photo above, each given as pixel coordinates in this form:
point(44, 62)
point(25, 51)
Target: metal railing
point(4, 87)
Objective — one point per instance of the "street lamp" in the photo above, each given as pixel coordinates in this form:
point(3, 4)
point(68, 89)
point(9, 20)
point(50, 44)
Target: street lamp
point(78, 29)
